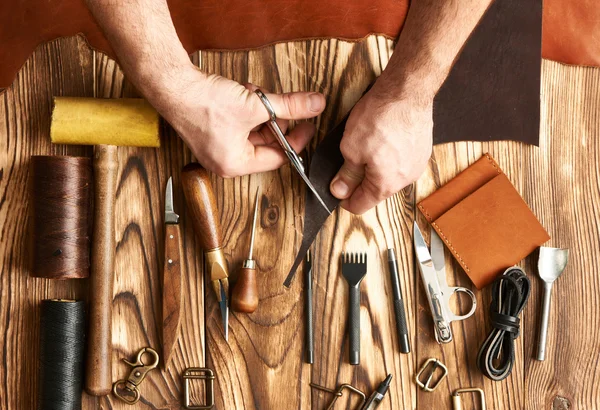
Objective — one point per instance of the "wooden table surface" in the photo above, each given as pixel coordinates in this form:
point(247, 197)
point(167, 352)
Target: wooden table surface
point(261, 367)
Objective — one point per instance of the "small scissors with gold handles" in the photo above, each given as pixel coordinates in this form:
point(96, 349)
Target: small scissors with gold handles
point(137, 375)
point(433, 272)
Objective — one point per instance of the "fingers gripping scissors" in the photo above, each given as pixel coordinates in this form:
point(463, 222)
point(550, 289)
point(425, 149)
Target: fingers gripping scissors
point(287, 148)
point(433, 272)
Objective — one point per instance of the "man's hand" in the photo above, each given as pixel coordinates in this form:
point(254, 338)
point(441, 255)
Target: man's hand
point(386, 146)
point(388, 136)
point(223, 122)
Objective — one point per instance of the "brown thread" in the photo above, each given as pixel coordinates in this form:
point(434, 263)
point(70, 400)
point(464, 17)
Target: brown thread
point(60, 194)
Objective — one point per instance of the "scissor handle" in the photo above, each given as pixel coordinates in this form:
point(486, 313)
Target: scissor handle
point(473, 303)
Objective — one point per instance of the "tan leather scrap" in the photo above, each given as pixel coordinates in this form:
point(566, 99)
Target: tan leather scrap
point(571, 27)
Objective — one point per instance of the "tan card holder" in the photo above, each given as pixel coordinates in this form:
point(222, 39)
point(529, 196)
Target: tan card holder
point(484, 221)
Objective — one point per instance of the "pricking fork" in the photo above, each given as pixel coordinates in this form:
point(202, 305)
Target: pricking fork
point(354, 269)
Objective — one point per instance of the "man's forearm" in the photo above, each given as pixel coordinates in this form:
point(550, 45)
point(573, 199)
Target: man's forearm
point(144, 39)
point(433, 35)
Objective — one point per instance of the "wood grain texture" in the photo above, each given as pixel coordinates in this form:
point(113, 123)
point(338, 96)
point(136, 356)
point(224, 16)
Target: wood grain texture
point(262, 365)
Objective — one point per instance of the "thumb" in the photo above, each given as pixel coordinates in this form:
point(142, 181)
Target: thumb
point(291, 106)
point(347, 180)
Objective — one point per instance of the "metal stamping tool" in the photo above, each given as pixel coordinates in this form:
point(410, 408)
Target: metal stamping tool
point(136, 377)
point(287, 148)
point(377, 396)
point(457, 400)
point(551, 264)
point(199, 373)
point(354, 269)
point(339, 393)
point(426, 385)
point(309, 328)
point(433, 272)
point(399, 311)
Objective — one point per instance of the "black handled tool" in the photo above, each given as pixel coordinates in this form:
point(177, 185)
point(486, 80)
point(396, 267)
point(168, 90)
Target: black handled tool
point(399, 311)
point(308, 311)
point(354, 269)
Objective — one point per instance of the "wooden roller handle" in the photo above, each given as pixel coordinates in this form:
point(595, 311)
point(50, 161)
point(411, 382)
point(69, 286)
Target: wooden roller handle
point(202, 205)
point(245, 294)
point(99, 354)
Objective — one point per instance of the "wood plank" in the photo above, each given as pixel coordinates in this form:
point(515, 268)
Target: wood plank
point(262, 366)
point(561, 187)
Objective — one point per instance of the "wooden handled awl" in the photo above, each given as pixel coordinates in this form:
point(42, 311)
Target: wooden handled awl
point(105, 123)
point(171, 291)
point(202, 208)
point(245, 293)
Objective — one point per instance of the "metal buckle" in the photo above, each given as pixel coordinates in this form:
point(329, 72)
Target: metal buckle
point(457, 401)
point(199, 373)
point(137, 375)
point(425, 386)
point(339, 393)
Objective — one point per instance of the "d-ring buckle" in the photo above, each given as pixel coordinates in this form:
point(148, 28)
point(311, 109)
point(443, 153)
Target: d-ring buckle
point(137, 375)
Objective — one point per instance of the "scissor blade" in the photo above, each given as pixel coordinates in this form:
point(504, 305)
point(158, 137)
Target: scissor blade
point(437, 253)
point(314, 191)
point(421, 249)
point(224, 311)
point(170, 216)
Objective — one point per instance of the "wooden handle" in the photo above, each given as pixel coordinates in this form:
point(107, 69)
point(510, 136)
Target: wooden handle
point(202, 205)
point(171, 297)
point(245, 294)
point(99, 354)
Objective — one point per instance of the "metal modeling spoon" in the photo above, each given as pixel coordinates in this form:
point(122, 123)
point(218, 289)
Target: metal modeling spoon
point(551, 264)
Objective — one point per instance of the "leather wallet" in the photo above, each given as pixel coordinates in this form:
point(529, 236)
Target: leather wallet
point(483, 220)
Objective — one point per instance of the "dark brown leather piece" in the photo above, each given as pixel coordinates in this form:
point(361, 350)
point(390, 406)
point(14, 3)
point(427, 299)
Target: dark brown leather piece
point(493, 90)
point(571, 27)
point(483, 221)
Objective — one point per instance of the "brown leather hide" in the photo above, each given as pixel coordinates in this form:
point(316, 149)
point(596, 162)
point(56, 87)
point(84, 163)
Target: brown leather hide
point(571, 27)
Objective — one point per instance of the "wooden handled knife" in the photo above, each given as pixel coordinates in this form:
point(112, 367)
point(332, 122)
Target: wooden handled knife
point(172, 276)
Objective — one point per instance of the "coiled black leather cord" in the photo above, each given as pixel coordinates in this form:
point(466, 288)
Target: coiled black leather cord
point(510, 293)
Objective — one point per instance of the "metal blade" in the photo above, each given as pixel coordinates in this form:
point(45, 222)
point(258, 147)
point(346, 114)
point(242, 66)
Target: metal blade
point(224, 312)
point(311, 187)
point(170, 216)
point(421, 249)
point(437, 253)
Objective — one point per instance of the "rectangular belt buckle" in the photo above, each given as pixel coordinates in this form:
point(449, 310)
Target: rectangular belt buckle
point(199, 373)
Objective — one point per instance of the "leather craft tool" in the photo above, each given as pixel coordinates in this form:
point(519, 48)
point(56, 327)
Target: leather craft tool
point(399, 312)
point(309, 326)
point(457, 400)
point(433, 273)
point(202, 208)
point(244, 297)
point(108, 122)
point(338, 392)
point(354, 269)
point(377, 396)
point(136, 376)
point(434, 364)
point(199, 373)
point(551, 264)
point(171, 290)
point(287, 148)
point(510, 293)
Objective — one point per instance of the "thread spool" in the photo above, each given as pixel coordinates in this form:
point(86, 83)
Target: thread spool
point(60, 192)
point(62, 342)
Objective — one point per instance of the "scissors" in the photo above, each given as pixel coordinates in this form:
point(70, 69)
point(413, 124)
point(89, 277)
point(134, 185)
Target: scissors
point(287, 148)
point(433, 272)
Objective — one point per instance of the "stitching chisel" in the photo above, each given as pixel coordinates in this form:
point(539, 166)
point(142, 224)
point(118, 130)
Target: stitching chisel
point(171, 297)
point(202, 208)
